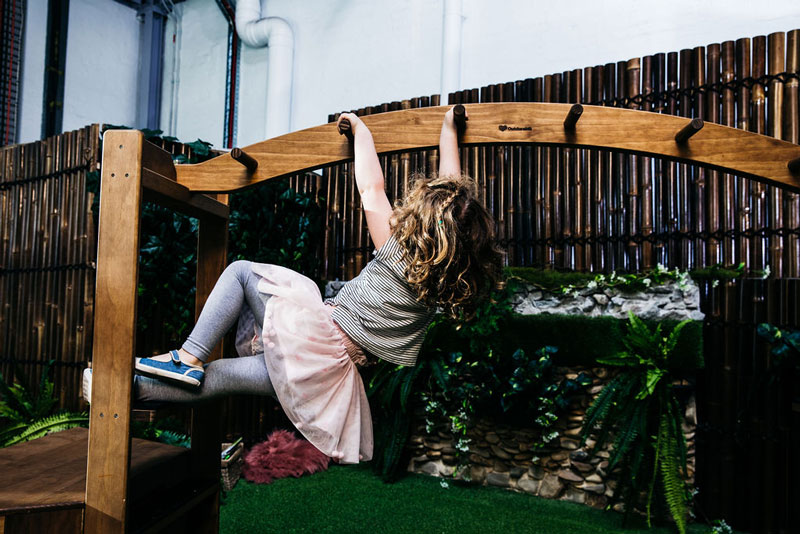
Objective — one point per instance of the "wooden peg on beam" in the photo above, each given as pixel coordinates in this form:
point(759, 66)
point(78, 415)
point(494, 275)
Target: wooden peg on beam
point(460, 118)
point(794, 166)
point(574, 114)
point(242, 157)
point(694, 126)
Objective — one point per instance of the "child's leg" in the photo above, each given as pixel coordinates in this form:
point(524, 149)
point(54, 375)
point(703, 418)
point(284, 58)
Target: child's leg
point(236, 285)
point(229, 376)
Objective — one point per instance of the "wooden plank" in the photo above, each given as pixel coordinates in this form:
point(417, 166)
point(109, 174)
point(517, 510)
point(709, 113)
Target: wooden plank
point(45, 473)
point(165, 192)
point(158, 160)
point(114, 331)
point(50, 473)
point(61, 521)
point(715, 147)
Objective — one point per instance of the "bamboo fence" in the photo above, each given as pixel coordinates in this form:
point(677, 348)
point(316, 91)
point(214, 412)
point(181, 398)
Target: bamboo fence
point(590, 210)
point(47, 259)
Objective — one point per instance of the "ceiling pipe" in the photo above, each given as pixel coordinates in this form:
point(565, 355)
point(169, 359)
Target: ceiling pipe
point(451, 48)
point(277, 35)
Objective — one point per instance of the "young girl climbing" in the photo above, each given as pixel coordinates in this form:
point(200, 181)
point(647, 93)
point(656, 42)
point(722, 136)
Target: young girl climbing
point(435, 249)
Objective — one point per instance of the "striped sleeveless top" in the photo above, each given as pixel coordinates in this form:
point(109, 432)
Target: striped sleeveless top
point(379, 310)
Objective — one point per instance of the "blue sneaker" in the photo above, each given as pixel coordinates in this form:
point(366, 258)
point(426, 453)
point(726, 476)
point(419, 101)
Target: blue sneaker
point(174, 370)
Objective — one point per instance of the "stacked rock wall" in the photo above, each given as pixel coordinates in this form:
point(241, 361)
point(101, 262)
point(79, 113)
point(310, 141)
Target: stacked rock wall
point(507, 456)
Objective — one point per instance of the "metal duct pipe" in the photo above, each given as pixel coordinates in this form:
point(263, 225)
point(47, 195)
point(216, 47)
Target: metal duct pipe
point(275, 33)
point(451, 48)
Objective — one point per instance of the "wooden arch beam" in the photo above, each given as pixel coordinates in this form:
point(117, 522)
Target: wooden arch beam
point(714, 147)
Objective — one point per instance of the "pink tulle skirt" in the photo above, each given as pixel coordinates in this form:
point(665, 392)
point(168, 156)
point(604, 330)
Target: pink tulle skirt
point(315, 379)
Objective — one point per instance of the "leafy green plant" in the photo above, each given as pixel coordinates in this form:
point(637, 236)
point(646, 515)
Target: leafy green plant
point(785, 350)
point(389, 390)
point(464, 371)
point(640, 411)
point(165, 431)
point(27, 415)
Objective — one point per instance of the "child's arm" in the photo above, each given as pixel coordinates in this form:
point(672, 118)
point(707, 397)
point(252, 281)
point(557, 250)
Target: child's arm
point(369, 179)
point(449, 157)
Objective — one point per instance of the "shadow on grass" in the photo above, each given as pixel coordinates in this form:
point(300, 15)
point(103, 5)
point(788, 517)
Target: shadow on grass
point(350, 499)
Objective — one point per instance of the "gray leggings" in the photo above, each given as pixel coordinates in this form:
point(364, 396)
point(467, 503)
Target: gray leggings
point(236, 287)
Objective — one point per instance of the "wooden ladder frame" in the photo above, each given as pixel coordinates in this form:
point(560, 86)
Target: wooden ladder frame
point(134, 170)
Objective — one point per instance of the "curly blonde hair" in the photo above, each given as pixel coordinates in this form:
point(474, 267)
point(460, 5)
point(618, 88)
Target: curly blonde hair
point(453, 261)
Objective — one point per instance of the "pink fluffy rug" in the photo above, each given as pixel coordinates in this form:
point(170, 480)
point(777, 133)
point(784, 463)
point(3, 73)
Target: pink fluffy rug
point(282, 455)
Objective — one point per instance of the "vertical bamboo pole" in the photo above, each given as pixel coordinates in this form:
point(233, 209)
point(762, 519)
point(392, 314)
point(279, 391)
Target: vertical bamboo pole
point(646, 170)
point(713, 211)
point(546, 188)
point(577, 182)
point(660, 198)
point(599, 199)
point(675, 244)
point(758, 124)
point(537, 189)
point(685, 189)
point(4, 220)
point(609, 180)
point(558, 185)
point(791, 133)
point(567, 161)
point(743, 186)
point(699, 186)
point(777, 58)
point(633, 224)
point(516, 164)
point(500, 186)
point(729, 203)
point(589, 181)
point(621, 181)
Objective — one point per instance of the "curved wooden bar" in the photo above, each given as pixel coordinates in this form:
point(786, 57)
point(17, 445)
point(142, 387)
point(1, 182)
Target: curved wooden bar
point(716, 147)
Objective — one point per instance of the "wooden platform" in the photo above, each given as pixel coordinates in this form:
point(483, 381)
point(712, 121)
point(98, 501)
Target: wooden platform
point(43, 484)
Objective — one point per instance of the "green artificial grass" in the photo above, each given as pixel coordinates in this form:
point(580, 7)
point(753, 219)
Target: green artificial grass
point(351, 500)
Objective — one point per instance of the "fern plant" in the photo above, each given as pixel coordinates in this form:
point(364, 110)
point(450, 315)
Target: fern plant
point(27, 415)
point(639, 414)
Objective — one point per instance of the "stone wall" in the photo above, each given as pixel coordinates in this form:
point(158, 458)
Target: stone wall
point(667, 301)
point(503, 455)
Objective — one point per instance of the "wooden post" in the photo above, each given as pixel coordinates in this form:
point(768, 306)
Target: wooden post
point(114, 332)
point(212, 248)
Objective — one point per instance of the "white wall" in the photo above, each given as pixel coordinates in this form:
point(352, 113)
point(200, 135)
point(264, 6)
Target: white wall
point(348, 54)
point(515, 39)
point(201, 75)
point(100, 71)
point(32, 79)
point(102, 64)
point(354, 53)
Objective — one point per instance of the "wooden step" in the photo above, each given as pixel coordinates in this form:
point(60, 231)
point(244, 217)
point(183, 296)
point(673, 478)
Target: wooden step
point(43, 482)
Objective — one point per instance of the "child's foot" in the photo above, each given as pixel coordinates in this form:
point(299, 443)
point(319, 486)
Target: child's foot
point(177, 366)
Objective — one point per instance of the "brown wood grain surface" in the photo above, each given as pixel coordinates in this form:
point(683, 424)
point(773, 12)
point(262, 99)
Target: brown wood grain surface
point(50, 472)
point(114, 331)
point(716, 147)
